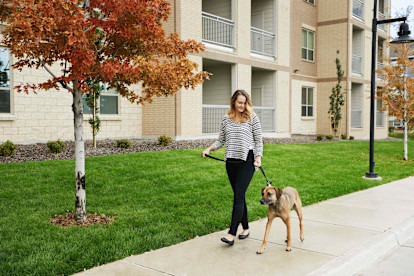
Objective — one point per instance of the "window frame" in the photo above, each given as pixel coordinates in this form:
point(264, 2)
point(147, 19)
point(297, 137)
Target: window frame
point(309, 1)
point(306, 104)
point(104, 93)
point(9, 87)
point(307, 45)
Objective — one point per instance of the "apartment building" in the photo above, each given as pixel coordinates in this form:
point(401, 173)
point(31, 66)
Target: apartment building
point(281, 52)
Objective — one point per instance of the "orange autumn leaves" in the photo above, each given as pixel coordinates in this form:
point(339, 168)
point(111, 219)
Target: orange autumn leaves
point(397, 79)
point(118, 42)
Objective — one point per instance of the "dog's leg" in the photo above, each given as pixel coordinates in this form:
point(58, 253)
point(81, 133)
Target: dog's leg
point(298, 209)
point(268, 225)
point(286, 220)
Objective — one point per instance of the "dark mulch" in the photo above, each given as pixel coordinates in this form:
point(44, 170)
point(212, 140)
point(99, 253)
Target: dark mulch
point(68, 219)
point(40, 152)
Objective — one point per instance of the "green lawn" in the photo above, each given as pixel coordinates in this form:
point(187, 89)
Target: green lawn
point(401, 135)
point(162, 198)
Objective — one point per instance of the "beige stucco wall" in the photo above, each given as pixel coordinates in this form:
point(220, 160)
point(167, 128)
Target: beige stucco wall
point(283, 102)
point(48, 115)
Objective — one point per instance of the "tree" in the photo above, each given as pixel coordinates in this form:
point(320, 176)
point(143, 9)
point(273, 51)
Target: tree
point(336, 99)
point(113, 42)
point(397, 95)
point(92, 102)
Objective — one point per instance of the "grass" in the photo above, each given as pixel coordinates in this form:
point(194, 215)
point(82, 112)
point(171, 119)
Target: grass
point(401, 135)
point(162, 198)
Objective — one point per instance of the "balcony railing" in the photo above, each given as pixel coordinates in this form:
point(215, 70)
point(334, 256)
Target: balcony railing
point(356, 118)
point(263, 42)
point(358, 9)
point(380, 118)
point(213, 115)
point(356, 64)
point(218, 30)
point(381, 16)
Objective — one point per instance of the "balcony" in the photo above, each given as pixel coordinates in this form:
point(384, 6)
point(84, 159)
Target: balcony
point(380, 119)
point(356, 118)
point(356, 64)
point(381, 16)
point(263, 42)
point(358, 9)
point(218, 30)
point(213, 115)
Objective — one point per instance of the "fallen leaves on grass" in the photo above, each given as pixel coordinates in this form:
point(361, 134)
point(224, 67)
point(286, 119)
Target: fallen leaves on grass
point(68, 219)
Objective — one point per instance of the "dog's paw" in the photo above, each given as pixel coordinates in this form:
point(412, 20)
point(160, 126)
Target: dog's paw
point(260, 251)
point(288, 249)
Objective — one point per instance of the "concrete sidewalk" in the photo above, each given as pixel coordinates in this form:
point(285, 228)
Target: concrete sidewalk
point(343, 236)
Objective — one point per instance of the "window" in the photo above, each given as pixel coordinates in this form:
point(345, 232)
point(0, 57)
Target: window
point(310, 1)
point(308, 39)
point(4, 80)
point(108, 102)
point(307, 102)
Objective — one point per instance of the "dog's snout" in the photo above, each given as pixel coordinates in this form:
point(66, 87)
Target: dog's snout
point(262, 201)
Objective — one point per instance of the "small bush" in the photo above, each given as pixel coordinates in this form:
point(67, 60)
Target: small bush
point(319, 137)
point(391, 128)
point(329, 137)
point(7, 148)
point(351, 137)
point(123, 143)
point(56, 146)
point(164, 140)
point(343, 136)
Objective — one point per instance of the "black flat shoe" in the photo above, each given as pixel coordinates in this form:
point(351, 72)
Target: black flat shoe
point(227, 241)
point(242, 237)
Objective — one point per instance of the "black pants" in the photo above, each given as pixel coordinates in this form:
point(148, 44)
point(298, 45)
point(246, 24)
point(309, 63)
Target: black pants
point(240, 174)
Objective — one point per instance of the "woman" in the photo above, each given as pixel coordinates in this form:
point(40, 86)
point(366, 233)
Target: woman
point(241, 133)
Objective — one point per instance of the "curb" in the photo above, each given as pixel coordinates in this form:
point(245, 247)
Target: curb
point(367, 253)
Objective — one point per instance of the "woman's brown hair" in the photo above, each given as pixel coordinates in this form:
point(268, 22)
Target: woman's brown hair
point(248, 110)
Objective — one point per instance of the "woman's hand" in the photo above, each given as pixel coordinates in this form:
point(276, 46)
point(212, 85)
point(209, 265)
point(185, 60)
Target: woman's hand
point(258, 162)
point(206, 151)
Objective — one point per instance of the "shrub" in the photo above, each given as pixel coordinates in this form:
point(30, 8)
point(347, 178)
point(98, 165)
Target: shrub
point(351, 137)
point(329, 137)
point(123, 143)
point(343, 136)
point(391, 128)
point(319, 137)
point(7, 148)
point(55, 146)
point(164, 140)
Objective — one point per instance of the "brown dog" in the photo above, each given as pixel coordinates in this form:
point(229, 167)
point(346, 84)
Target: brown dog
point(280, 202)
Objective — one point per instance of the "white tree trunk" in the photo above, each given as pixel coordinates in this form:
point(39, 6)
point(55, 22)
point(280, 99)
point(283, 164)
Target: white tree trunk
point(405, 141)
point(405, 116)
point(80, 193)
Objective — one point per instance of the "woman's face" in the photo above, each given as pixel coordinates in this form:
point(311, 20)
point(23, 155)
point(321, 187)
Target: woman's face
point(240, 103)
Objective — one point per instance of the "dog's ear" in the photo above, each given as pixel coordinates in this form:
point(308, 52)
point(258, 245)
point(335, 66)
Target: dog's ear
point(278, 192)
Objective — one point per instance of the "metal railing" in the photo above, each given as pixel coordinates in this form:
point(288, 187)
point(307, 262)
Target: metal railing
point(381, 16)
point(357, 64)
point(213, 115)
point(356, 118)
point(263, 42)
point(358, 9)
point(380, 118)
point(218, 30)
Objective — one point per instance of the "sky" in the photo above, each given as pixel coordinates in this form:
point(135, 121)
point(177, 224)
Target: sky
point(399, 6)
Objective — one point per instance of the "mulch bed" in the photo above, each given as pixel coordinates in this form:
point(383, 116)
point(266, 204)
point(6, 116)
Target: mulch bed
point(68, 219)
point(40, 152)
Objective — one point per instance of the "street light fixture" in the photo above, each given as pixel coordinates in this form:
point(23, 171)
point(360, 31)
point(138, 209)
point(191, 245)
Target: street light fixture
point(403, 38)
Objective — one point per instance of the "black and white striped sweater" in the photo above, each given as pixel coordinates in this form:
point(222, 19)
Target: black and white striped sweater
point(240, 137)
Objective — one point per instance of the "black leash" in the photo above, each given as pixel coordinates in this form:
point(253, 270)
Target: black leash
point(269, 183)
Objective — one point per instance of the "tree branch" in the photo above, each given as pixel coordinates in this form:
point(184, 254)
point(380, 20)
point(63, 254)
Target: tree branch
point(64, 85)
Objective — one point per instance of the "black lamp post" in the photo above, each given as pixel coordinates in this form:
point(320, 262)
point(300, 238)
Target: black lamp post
point(403, 38)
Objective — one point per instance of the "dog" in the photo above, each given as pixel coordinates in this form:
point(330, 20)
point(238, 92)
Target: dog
point(280, 203)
